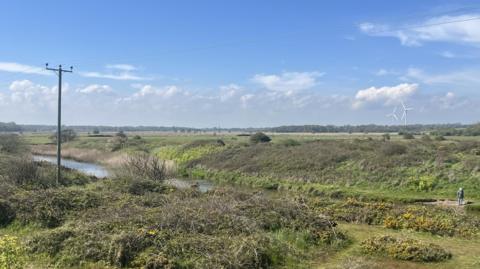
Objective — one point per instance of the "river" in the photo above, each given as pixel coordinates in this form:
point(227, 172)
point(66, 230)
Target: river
point(102, 172)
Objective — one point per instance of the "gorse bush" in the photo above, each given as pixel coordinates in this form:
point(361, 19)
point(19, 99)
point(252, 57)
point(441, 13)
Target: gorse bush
point(188, 229)
point(405, 249)
point(11, 252)
point(49, 207)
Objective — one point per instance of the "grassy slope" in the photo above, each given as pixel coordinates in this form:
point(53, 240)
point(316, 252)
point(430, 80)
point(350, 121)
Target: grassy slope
point(465, 251)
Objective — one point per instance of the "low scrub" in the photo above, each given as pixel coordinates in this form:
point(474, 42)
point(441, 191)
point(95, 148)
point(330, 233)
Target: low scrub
point(143, 166)
point(7, 214)
point(225, 228)
point(405, 249)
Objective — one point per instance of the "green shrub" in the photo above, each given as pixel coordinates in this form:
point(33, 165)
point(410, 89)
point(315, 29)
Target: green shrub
point(7, 214)
point(126, 246)
point(22, 171)
point(142, 186)
point(49, 207)
point(259, 138)
point(50, 242)
point(11, 143)
point(405, 249)
point(67, 136)
point(390, 149)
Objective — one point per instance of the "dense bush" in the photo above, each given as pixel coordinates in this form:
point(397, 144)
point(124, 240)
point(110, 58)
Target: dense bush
point(259, 138)
point(7, 214)
point(143, 166)
point(389, 149)
point(220, 229)
point(67, 136)
point(49, 207)
point(21, 171)
point(11, 143)
point(405, 249)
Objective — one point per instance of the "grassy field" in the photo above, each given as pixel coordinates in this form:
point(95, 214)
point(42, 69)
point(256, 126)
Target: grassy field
point(276, 204)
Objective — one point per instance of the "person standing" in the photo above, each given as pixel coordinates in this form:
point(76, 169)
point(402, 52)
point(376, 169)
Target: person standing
point(460, 196)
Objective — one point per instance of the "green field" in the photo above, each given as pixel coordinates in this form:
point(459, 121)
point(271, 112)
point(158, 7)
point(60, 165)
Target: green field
point(299, 201)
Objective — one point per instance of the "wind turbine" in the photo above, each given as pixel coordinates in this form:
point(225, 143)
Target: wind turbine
point(405, 112)
point(393, 115)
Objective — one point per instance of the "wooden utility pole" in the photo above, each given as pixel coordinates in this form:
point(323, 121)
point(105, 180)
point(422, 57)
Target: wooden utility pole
point(59, 72)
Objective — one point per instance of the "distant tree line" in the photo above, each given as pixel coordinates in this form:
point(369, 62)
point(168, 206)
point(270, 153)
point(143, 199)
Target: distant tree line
point(10, 127)
point(433, 129)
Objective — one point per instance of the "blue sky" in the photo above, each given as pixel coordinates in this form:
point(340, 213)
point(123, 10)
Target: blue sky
point(240, 63)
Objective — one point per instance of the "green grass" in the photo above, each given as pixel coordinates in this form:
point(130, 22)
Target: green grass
point(465, 252)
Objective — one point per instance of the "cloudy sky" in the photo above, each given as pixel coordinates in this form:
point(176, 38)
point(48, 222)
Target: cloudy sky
point(240, 63)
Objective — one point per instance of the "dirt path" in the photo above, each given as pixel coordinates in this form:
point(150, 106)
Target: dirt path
point(449, 204)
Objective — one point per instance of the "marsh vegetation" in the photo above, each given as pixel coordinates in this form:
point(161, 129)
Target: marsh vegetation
point(297, 201)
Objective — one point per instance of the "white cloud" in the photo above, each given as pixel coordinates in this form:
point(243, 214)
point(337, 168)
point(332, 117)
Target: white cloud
point(288, 82)
point(25, 92)
point(96, 88)
point(468, 77)
point(21, 68)
point(227, 92)
point(384, 95)
point(116, 72)
point(231, 105)
point(121, 76)
point(463, 29)
point(123, 67)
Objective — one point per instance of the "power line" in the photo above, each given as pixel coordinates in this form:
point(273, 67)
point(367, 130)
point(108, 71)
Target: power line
point(59, 71)
point(425, 25)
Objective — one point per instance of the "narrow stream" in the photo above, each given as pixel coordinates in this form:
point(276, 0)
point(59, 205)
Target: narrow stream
point(84, 167)
point(101, 172)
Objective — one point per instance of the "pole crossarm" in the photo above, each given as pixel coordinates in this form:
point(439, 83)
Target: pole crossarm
point(59, 71)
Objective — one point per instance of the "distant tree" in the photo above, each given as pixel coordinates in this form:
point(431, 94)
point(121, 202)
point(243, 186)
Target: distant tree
point(118, 141)
point(67, 136)
point(259, 138)
point(386, 136)
point(96, 131)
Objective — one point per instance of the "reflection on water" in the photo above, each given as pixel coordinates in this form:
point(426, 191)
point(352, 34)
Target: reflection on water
point(101, 172)
point(87, 168)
